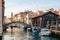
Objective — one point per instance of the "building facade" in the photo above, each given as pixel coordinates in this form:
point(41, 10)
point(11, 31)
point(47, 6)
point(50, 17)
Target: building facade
point(1, 15)
point(46, 20)
point(4, 19)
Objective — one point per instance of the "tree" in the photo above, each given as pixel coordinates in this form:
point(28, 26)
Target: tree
point(51, 9)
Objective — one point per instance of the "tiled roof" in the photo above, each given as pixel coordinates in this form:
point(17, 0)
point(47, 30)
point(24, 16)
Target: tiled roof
point(35, 14)
point(41, 14)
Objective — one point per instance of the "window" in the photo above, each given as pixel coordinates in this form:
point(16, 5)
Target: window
point(53, 23)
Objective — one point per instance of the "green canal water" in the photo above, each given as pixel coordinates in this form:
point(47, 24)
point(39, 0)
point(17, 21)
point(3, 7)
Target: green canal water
point(27, 36)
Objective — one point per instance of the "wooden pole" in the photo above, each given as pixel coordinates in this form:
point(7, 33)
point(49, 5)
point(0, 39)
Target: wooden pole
point(51, 25)
point(56, 25)
point(48, 24)
point(40, 23)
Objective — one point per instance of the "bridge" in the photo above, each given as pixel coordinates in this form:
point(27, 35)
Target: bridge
point(16, 24)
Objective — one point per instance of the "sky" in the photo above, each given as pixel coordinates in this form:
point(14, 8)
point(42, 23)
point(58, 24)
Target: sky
point(17, 6)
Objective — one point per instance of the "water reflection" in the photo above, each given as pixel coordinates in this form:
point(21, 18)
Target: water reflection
point(27, 36)
point(36, 36)
point(49, 38)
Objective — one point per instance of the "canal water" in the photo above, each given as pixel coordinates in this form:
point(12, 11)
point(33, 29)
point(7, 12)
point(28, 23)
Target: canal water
point(27, 36)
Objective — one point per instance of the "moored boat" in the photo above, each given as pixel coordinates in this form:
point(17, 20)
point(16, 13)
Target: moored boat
point(45, 31)
point(35, 31)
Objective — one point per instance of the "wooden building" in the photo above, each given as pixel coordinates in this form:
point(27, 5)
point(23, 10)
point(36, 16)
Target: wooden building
point(46, 20)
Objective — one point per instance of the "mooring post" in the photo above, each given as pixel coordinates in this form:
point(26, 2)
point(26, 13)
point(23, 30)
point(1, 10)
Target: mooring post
point(0, 37)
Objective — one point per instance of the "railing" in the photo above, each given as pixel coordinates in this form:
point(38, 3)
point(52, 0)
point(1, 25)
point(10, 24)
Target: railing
point(54, 27)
